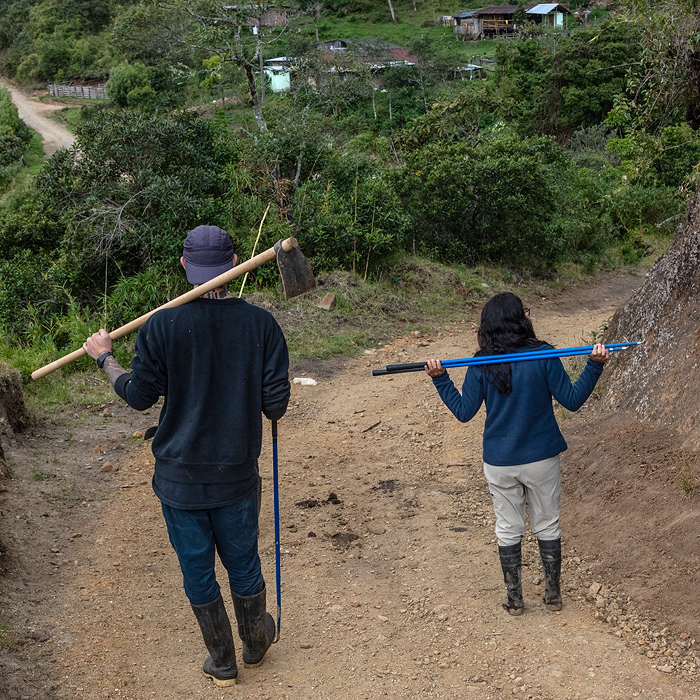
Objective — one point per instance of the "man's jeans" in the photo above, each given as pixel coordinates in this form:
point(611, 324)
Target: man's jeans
point(232, 531)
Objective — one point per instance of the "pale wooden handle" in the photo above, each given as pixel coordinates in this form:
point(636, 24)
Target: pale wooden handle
point(228, 276)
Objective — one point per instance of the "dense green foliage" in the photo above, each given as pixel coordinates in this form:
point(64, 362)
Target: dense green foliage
point(52, 40)
point(558, 85)
point(542, 162)
point(14, 137)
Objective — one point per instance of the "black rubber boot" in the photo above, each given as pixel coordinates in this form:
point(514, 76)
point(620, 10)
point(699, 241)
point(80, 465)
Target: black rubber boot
point(511, 563)
point(213, 621)
point(550, 553)
point(256, 628)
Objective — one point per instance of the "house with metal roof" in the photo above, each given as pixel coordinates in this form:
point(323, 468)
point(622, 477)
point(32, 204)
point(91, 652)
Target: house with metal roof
point(466, 24)
point(551, 14)
point(499, 20)
point(375, 52)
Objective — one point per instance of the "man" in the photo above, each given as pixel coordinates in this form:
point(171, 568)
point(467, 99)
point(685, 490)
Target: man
point(219, 362)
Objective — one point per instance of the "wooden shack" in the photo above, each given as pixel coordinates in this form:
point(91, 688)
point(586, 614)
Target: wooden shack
point(466, 24)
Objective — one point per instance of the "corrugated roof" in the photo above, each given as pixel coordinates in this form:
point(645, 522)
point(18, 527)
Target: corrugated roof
point(497, 10)
point(545, 9)
point(465, 14)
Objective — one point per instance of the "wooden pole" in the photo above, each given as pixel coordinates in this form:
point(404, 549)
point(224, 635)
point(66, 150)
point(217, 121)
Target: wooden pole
point(198, 291)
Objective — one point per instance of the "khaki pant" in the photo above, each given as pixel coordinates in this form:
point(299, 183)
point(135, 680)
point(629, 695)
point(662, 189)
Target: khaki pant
point(536, 485)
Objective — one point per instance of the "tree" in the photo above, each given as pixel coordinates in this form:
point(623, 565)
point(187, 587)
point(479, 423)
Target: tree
point(314, 8)
point(235, 33)
point(668, 86)
point(131, 185)
point(128, 85)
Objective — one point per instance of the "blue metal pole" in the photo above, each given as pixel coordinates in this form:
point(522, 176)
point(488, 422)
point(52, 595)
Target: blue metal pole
point(275, 480)
point(501, 359)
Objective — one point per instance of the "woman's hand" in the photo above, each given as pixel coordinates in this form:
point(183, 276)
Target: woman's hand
point(600, 354)
point(434, 368)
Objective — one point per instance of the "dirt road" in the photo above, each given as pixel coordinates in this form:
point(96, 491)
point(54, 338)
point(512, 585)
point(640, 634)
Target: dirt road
point(35, 115)
point(391, 582)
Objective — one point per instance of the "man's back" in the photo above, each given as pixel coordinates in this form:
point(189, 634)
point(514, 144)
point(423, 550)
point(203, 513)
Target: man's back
point(219, 363)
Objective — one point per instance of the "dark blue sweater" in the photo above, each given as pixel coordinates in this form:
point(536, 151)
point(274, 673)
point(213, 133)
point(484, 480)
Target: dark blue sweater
point(219, 363)
point(520, 426)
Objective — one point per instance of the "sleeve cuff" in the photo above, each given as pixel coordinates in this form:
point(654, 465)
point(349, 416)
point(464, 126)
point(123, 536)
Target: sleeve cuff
point(597, 366)
point(442, 379)
point(120, 385)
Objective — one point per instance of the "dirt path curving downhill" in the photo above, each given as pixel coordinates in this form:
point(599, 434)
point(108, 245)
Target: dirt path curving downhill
point(391, 582)
point(35, 115)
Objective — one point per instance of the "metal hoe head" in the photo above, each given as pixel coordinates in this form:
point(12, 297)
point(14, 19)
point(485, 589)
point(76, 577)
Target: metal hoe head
point(295, 271)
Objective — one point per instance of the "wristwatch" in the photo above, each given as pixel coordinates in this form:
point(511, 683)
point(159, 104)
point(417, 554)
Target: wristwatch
point(102, 357)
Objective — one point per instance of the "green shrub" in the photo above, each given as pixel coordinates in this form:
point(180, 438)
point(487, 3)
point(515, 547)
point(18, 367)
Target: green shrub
point(678, 157)
point(129, 79)
point(495, 200)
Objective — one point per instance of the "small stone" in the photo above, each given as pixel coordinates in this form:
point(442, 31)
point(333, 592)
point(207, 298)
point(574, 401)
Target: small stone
point(327, 303)
point(537, 581)
point(304, 381)
point(55, 550)
point(137, 434)
point(97, 449)
point(594, 589)
point(77, 534)
point(107, 413)
point(600, 602)
point(443, 616)
point(356, 604)
point(109, 467)
point(305, 645)
point(665, 669)
point(382, 618)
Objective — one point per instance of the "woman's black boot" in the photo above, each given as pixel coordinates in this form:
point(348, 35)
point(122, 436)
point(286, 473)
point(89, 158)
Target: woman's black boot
point(511, 563)
point(213, 621)
point(256, 628)
point(550, 553)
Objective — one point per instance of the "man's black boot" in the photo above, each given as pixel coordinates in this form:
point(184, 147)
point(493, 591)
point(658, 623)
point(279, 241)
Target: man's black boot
point(256, 628)
point(213, 621)
point(511, 563)
point(550, 553)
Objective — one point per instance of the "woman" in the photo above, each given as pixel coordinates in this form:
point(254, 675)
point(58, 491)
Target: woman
point(522, 441)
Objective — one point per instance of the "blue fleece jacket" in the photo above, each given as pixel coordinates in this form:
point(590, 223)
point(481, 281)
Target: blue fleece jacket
point(520, 426)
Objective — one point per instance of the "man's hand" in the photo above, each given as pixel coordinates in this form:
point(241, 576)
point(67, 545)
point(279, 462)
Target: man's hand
point(600, 354)
point(98, 343)
point(434, 368)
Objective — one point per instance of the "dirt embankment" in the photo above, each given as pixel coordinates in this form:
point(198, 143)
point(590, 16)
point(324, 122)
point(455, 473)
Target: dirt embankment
point(390, 575)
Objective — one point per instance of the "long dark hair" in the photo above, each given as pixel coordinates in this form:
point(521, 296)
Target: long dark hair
point(504, 328)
